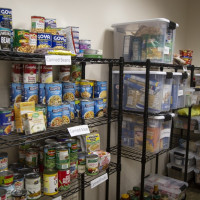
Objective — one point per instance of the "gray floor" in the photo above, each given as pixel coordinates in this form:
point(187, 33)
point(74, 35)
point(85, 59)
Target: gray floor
point(193, 193)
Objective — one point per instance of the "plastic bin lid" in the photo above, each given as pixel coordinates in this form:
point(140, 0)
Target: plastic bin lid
point(161, 116)
point(181, 152)
point(197, 75)
point(141, 72)
point(179, 168)
point(177, 73)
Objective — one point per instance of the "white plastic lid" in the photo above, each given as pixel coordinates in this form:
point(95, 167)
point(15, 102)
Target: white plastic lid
point(177, 73)
point(141, 72)
point(161, 116)
point(197, 75)
point(179, 168)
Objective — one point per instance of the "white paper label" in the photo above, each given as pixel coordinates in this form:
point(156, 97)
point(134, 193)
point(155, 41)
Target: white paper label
point(99, 180)
point(165, 133)
point(180, 93)
point(166, 50)
point(58, 198)
point(57, 60)
point(79, 130)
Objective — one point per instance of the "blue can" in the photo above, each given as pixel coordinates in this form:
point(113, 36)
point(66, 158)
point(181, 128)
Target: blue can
point(42, 97)
point(66, 113)
point(16, 92)
point(54, 116)
point(86, 89)
point(77, 89)
point(30, 92)
point(87, 109)
point(6, 18)
point(72, 109)
point(53, 93)
point(98, 107)
point(77, 108)
point(5, 121)
point(58, 41)
point(68, 91)
point(100, 89)
point(44, 40)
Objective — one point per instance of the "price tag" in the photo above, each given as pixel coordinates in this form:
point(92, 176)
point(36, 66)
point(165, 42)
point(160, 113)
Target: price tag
point(57, 60)
point(79, 130)
point(99, 180)
point(57, 198)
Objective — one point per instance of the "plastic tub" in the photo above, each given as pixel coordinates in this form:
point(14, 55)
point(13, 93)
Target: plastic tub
point(178, 172)
point(197, 176)
point(197, 158)
point(174, 188)
point(149, 39)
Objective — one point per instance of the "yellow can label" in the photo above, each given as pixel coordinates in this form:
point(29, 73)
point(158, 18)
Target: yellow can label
point(50, 184)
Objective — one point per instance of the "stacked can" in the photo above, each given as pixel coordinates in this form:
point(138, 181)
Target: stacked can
point(186, 55)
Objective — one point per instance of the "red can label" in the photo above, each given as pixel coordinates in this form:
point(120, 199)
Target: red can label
point(30, 73)
point(63, 179)
point(3, 197)
point(45, 68)
point(64, 68)
point(17, 73)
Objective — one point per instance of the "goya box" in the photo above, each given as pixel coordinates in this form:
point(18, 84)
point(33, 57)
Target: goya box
point(87, 109)
point(30, 92)
point(6, 18)
point(5, 121)
point(58, 42)
point(100, 89)
point(68, 91)
point(44, 40)
point(16, 92)
point(54, 116)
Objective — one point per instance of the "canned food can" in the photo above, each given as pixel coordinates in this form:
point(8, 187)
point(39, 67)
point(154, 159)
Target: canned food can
point(6, 178)
point(30, 92)
point(77, 89)
point(66, 113)
point(72, 109)
point(16, 93)
point(49, 157)
point(6, 18)
point(46, 74)
point(17, 73)
point(86, 89)
point(63, 179)
point(81, 162)
point(84, 44)
point(19, 194)
point(62, 158)
point(105, 105)
point(42, 97)
point(9, 190)
point(3, 161)
point(92, 165)
point(54, 116)
point(73, 166)
point(25, 171)
point(18, 181)
point(44, 40)
point(22, 156)
point(75, 34)
point(64, 74)
point(100, 89)
point(15, 167)
point(77, 108)
point(21, 40)
point(32, 158)
point(33, 185)
point(29, 75)
point(5, 121)
point(50, 23)
point(98, 107)
point(3, 195)
point(58, 41)
point(33, 42)
point(53, 94)
point(50, 179)
point(74, 146)
point(76, 72)
point(87, 109)
point(5, 39)
point(68, 91)
point(37, 24)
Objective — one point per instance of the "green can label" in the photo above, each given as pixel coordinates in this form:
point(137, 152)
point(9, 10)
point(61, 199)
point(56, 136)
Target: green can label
point(49, 158)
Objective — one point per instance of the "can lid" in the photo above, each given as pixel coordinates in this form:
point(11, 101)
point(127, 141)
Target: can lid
point(32, 175)
point(50, 171)
point(18, 176)
point(2, 192)
point(37, 17)
point(6, 173)
point(92, 156)
point(19, 193)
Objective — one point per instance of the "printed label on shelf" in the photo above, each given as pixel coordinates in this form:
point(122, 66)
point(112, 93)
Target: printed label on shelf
point(180, 93)
point(99, 180)
point(57, 198)
point(57, 60)
point(79, 130)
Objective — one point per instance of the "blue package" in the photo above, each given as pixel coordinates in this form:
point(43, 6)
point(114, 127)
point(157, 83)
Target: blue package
point(54, 116)
point(16, 92)
point(42, 97)
point(44, 40)
point(30, 92)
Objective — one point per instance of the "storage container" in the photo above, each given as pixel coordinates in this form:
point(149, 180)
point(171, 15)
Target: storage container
point(134, 91)
point(182, 123)
point(197, 80)
point(197, 158)
point(149, 39)
point(178, 172)
point(197, 176)
point(178, 156)
point(174, 188)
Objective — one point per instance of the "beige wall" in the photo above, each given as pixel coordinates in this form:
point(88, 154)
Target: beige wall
point(95, 19)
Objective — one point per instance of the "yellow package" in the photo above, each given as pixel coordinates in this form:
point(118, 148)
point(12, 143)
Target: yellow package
point(93, 142)
point(195, 111)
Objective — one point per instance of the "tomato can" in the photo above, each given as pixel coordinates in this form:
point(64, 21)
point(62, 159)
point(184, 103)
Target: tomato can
point(33, 42)
point(18, 181)
point(87, 109)
point(50, 179)
point(33, 185)
point(3, 161)
point(17, 73)
point(62, 157)
point(29, 75)
point(92, 164)
point(46, 74)
point(16, 93)
point(72, 109)
point(30, 92)
point(76, 72)
point(66, 113)
point(73, 166)
point(98, 107)
point(5, 121)
point(6, 178)
point(64, 74)
point(32, 158)
point(37, 24)
point(63, 179)
point(68, 91)
point(81, 162)
point(49, 157)
point(3, 193)
point(19, 194)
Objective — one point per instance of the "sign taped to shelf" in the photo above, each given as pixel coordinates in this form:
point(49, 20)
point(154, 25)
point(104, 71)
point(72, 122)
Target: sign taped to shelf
point(78, 130)
point(58, 60)
point(57, 198)
point(99, 180)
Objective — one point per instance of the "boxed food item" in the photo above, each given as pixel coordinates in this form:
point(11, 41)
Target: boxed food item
point(149, 39)
point(92, 142)
point(174, 188)
point(178, 172)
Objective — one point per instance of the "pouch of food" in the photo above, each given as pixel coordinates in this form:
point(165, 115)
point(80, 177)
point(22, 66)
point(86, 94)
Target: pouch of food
point(93, 142)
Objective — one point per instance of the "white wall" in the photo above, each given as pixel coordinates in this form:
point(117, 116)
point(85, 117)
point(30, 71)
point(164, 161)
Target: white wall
point(95, 19)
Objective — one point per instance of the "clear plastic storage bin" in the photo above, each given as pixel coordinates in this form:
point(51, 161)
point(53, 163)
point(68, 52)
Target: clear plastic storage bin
point(197, 80)
point(197, 176)
point(174, 188)
point(178, 172)
point(160, 89)
point(140, 40)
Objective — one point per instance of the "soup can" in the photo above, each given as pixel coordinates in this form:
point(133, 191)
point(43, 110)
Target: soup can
point(73, 166)
point(17, 73)
point(6, 178)
point(5, 121)
point(53, 94)
point(18, 181)
point(3, 193)
point(29, 75)
point(6, 18)
point(84, 44)
point(77, 108)
point(100, 89)
point(62, 158)
point(5, 42)
point(66, 113)
point(50, 179)
point(3, 161)
point(58, 41)
point(76, 72)
point(44, 40)
point(87, 109)
point(86, 89)
point(54, 116)
point(64, 74)
point(68, 91)
point(72, 109)
point(33, 185)
point(77, 89)
point(30, 92)
point(22, 156)
point(49, 157)
point(46, 74)
point(19, 194)
point(16, 93)
point(42, 97)
point(81, 162)
point(92, 164)
point(37, 24)
point(98, 107)
point(32, 158)
point(33, 42)
point(64, 179)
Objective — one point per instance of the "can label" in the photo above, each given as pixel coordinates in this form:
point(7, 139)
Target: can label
point(16, 92)
point(50, 184)
point(33, 42)
point(77, 89)
point(6, 18)
point(68, 91)
point(18, 184)
point(86, 90)
point(6, 180)
point(5, 122)
point(33, 187)
point(17, 73)
point(5, 36)
point(58, 42)
point(49, 158)
point(3, 163)
point(22, 156)
point(44, 40)
point(42, 97)
point(30, 93)
point(54, 94)
point(64, 74)
point(62, 156)
point(77, 108)
point(54, 116)
point(63, 179)
point(29, 73)
point(37, 24)
point(98, 107)
point(32, 159)
point(66, 113)
point(9, 190)
point(76, 72)
point(87, 109)
point(46, 74)
point(92, 166)
point(72, 109)
point(73, 169)
point(100, 89)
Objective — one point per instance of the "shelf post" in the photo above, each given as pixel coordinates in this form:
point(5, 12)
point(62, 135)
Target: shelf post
point(83, 64)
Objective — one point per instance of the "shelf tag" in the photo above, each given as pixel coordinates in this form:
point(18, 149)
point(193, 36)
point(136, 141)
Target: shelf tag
point(78, 130)
point(57, 198)
point(99, 180)
point(58, 60)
